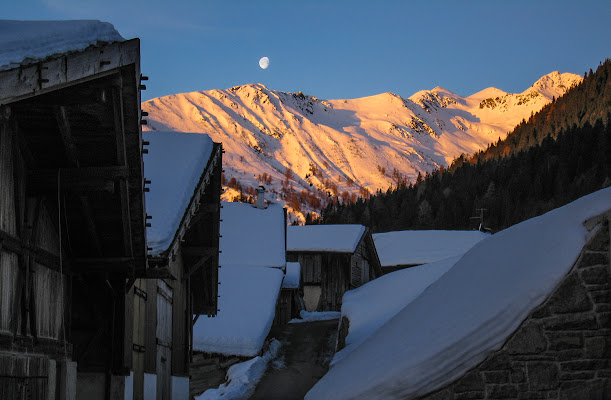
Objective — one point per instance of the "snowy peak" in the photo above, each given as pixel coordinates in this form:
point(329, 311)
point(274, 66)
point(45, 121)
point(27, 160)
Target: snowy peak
point(543, 90)
point(555, 84)
point(305, 150)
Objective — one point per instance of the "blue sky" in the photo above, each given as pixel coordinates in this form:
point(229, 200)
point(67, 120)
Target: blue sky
point(347, 49)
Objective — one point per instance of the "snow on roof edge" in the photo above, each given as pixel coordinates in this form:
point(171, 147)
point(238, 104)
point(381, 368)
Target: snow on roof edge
point(306, 239)
point(27, 42)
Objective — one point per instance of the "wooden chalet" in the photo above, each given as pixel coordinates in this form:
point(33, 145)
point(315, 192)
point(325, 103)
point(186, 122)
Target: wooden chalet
point(72, 222)
point(183, 238)
point(334, 259)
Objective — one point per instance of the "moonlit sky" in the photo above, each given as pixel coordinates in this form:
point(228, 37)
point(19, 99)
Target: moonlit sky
point(347, 49)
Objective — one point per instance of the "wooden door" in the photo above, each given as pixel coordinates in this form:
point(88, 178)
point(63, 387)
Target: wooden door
point(164, 340)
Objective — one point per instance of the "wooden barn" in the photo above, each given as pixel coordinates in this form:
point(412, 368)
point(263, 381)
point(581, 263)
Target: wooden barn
point(334, 259)
point(183, 238)
point(72, 216)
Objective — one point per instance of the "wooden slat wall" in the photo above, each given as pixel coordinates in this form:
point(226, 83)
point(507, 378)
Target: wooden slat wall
point(23, 377)
point(335, 280)
point(8, 284)
point(49, 291)
point(311, 266)
point(8, 261)
point(49, 300)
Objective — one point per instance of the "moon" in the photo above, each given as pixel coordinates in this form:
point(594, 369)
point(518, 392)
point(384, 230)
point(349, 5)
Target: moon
point(264, 63)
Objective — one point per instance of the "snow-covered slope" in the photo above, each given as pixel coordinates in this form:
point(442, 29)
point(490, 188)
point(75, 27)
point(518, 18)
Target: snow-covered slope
point(468, 312)
point(303, 148)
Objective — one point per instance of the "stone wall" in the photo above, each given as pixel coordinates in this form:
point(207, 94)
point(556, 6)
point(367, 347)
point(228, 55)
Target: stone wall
point(563, 349)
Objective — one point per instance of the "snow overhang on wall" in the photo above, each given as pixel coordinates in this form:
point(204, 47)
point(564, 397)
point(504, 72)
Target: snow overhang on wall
point(292, 275)
point(174, 164)
point(327, 238)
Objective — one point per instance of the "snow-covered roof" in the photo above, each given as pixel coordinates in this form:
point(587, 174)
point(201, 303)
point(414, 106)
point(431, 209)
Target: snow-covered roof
point(467, 313)
point(292, 275)
point(26, 42)
point(421, 247)
point(331, 238)
point(174, 164)
point(246, 305)
point(252, 236)
point(376, 302)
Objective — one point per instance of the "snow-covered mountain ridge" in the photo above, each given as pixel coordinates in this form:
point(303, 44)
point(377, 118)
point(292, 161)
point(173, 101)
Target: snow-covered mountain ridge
point(303, 148)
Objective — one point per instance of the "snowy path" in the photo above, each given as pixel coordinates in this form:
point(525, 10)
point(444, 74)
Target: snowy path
point(306, 351)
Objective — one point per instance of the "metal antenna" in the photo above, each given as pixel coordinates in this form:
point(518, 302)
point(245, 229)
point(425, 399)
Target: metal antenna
point(480, 217)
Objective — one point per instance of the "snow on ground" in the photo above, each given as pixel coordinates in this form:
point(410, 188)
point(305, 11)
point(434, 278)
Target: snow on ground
point(335, 238)
point(26, 42)
point(252, 236)
point(174, 165)
point(421, 247)
point(242, 378)
point(376, 302)
point(247, 305)
point(469, 312)
point(292, 276)
point(310, 316)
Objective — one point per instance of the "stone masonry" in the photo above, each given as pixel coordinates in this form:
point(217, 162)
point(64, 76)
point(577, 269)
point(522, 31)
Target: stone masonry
point(563, 349)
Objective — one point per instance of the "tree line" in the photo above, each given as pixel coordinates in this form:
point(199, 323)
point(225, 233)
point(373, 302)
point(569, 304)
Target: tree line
point(560, 154)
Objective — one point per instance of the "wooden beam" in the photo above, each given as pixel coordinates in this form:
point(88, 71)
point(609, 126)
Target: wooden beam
point(200, 263)
point(119, 119)
point(61, 116)
point(73, 175)
point(204, 211)
point(198, 251)
point(103, 264)
point(76, 180)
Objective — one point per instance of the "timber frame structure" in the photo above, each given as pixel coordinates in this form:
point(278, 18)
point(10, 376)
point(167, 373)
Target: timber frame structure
point(72, 222)
point(186, 286)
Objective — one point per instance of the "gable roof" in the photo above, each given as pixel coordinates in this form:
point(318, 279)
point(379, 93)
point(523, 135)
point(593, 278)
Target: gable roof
point(422, 247)
point(251, 236)
point(325, 238)
point(26, 42)
point(176, 166)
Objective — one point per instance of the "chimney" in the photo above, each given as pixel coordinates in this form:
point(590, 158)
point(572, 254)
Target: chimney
point(260, 203)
